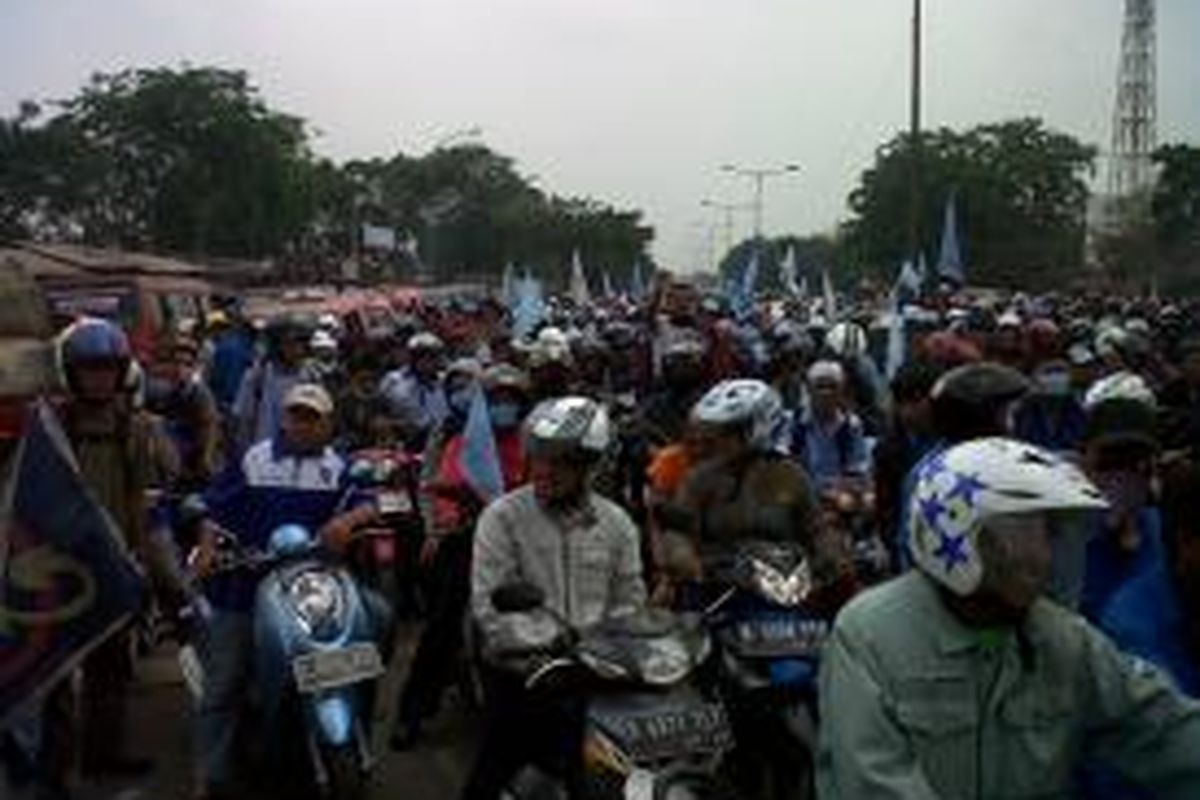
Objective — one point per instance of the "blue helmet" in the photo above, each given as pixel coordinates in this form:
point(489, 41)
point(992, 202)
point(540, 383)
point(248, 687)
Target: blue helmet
point(89, 340)
point(92, 339)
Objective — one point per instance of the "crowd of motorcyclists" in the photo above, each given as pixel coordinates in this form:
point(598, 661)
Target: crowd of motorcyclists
point(993, 539)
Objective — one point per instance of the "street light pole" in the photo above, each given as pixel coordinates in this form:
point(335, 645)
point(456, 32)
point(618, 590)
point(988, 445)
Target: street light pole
point(915, 155)
point(727, 210)
point(759, 176)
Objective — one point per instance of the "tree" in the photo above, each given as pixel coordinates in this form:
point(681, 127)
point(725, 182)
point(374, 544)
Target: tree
point(194, 161)
point(189, 160)
point(1175, 210)
point(1021, 196)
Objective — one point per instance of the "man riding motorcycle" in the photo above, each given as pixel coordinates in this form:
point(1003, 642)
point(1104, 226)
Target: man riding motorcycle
point(294, 478)
point(745, 489)
point(112, 442)
point(960, 680)
point(414, 394)
point(580, 550)
point(746, 492)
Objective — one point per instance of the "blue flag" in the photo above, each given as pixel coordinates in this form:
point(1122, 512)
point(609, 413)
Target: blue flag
point(66, 581)
point(528, 306)
point(743, 288)
point(950, 263)
point(478, 459)
point(908, 284)
point(637, 283)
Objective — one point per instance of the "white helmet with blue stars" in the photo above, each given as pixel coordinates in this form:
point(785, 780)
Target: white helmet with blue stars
point(957, 491)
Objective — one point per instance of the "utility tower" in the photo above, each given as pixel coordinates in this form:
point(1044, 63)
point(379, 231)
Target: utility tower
point(1134, 134)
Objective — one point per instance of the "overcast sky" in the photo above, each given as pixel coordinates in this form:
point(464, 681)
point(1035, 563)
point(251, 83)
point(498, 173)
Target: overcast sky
point(633, 102)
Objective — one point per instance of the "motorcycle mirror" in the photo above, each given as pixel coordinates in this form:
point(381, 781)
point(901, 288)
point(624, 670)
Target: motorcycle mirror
point(192, 510)
point(514, 598)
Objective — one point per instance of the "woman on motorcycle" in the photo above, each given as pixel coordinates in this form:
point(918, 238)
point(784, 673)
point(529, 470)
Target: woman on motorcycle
point(453, 509)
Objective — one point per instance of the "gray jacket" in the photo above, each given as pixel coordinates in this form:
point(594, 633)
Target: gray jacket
point(916, 706)
point(588, 565)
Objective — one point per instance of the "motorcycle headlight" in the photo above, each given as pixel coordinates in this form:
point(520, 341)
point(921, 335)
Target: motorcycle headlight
point(665, 662)
point(318, 600)
point(783, 590)
point(602, 667)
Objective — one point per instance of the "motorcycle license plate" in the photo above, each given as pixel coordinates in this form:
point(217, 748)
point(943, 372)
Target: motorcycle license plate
point(394, 503)
point(782, 634)
point(698, 729)
point(329, 669)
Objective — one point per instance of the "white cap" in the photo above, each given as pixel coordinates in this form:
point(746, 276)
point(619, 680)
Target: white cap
point(826, 371)
point(311, 396)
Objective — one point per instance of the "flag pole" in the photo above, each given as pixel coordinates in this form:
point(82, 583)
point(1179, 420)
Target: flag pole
point(915, 155)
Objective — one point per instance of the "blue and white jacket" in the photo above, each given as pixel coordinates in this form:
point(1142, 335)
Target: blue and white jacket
point(271, 487)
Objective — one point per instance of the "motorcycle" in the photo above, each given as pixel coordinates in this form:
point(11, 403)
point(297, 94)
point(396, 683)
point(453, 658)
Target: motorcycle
point(769, 628)
point(383, 555)
point(849, 507)
point(316, 662)
point(652, 730)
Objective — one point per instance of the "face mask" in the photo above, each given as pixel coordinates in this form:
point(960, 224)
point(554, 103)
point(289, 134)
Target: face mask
point(1055, 383)
point(460, 400)
point(1125, 490)
point(505, 415)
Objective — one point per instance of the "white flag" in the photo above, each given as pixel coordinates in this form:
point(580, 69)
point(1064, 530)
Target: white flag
point(897, 340)
point(507, 287)
point(579, 286)
point(787, 272)
point(830, 297)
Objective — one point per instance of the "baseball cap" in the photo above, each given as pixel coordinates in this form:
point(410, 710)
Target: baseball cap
point(310, 396)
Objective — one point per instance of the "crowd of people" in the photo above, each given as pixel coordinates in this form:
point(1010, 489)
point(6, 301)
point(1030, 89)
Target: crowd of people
point(995, 494)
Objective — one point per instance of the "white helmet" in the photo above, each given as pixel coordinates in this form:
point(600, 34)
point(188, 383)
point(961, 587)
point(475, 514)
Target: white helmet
point(747, 402)
point(1119, 386)
point(322, 340)
point(846, 340)
point(1111, 339)
point(959, 490)
point(425, 341)
point(551, 346)
point(568, 424)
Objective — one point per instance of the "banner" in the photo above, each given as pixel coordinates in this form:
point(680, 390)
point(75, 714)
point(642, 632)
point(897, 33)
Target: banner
point(378, 238)
point(66, 582)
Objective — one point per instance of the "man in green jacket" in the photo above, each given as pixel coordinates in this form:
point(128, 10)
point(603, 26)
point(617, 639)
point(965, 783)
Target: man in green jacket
point(961, 681)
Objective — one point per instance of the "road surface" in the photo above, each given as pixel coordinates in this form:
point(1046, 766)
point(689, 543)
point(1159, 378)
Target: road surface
point(160, 724)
